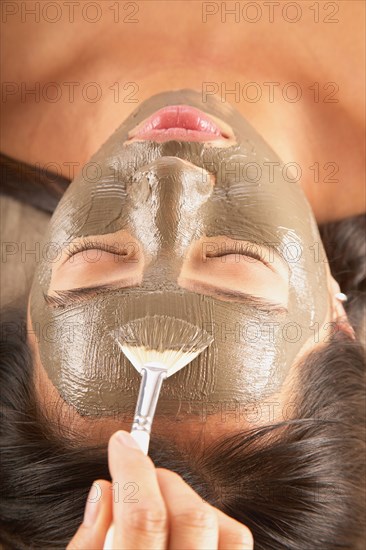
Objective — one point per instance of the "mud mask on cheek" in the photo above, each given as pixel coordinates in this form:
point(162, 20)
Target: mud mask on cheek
point(168, 196)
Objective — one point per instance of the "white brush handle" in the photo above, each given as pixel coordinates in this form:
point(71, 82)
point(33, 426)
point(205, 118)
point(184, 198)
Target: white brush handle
point(153, 376)
point(108, 543)
point(142, 439)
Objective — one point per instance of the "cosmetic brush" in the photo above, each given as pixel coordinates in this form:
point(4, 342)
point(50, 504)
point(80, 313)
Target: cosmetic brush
point(158, 346)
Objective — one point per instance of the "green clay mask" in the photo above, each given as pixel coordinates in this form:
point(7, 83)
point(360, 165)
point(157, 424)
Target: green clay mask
point(172, 209)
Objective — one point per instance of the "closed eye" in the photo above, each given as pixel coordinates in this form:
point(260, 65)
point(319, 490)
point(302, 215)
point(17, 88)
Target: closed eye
point(88, 244)
point(236, 267)
point(93, 261)
point(243, 249)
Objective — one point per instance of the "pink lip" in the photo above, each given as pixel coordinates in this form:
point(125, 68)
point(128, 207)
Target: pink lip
point(180, 122)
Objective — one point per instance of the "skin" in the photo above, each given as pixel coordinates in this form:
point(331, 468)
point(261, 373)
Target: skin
point(167, 514)
point(185, 518)
point(169, 260)
point(169, 270)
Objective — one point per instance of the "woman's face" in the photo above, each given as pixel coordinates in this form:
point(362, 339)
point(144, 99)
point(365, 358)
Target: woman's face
point(210, 232)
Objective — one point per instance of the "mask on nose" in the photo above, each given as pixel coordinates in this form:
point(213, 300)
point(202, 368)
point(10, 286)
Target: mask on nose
point(168, 196)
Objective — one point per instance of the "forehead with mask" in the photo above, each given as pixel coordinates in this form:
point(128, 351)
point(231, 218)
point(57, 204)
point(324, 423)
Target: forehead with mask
point(214, 233)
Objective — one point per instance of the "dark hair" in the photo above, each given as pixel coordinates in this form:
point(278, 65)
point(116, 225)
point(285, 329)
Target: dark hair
point(31, 184)
point(297, 484)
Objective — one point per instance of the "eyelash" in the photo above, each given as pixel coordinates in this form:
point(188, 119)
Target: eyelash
point(88, 244)
point(245, 250)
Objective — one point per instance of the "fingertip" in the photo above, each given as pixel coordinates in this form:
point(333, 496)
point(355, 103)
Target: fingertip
point(125, 439)
point(249, 540)
point(104, 485)
point(98, 515)
point(93, 505)
point(98, 504)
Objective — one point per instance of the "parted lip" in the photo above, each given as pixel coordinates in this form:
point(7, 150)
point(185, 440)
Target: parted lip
point(181, 122)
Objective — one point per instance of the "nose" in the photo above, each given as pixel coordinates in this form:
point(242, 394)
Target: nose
point(166, 197)
point(171, 177)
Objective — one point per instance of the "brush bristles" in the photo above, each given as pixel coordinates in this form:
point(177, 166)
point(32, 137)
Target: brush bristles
point(169, 341)
point(173, 361)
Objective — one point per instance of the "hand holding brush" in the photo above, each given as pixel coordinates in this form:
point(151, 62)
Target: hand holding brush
point(163, 513)
point(157, 346)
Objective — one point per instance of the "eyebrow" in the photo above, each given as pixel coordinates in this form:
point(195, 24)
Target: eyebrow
point(64, 298)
